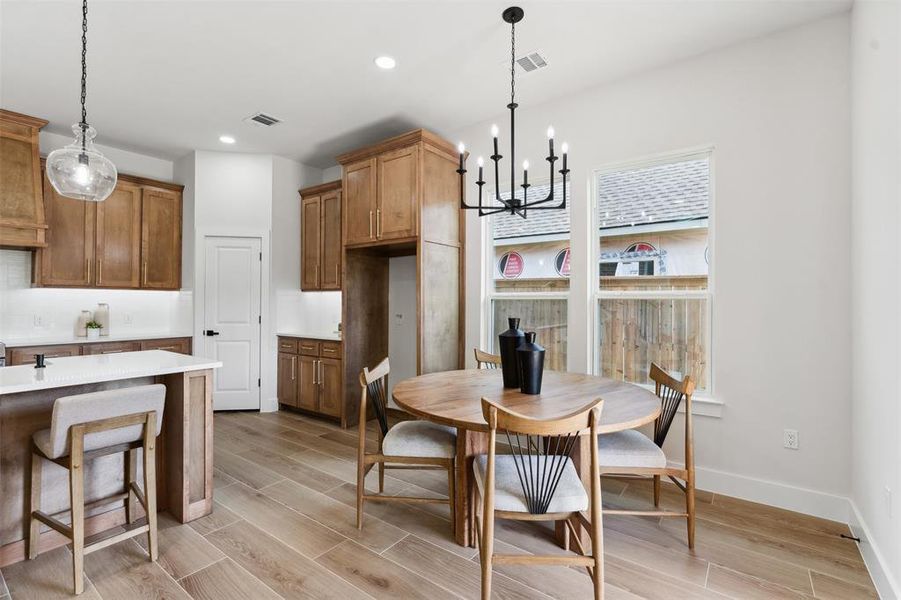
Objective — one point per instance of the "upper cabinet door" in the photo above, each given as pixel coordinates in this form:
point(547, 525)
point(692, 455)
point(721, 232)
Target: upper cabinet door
point(397, 213)
point(359, 191)
point(22, 219)
point(330, 278)
point(310, 243)
point(68, 259)
point(161, 239)
point(117, 255)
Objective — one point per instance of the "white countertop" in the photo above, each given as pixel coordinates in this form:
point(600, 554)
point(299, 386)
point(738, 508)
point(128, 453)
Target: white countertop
point(72, 339)
point(329, 337)
point(96, 368)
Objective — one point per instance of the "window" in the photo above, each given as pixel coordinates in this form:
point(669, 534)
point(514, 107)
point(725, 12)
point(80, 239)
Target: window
point(653, 294)
point(529, 274)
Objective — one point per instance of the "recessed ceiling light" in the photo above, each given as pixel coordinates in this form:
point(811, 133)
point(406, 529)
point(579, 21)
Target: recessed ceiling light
point(385, 62)
point(226, 139)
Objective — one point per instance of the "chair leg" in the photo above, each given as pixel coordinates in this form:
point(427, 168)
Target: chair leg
point(451, 492)
point(34, 526)
point(656, 490)
point(150, 496)
point(487, 551)
point(131, 470)
point(76, 499)
point(690, 509)
point(361, 479)
point(381, 477)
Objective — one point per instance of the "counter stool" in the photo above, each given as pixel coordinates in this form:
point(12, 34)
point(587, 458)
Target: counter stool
point(85, 427)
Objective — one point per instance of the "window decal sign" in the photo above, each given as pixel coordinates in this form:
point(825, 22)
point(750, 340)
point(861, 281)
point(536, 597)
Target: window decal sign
point(561, 262)
point(511, 265)
point(641, 247)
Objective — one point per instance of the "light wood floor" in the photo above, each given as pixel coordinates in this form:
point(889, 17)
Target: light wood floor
point(283, 527)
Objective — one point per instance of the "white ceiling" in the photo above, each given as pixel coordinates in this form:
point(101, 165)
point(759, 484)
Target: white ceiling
point(169, 77)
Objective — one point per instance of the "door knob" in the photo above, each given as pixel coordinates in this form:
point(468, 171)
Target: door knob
point(210, 332)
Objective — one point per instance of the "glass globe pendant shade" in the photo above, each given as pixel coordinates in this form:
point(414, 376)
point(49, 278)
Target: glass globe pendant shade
point(79, 170)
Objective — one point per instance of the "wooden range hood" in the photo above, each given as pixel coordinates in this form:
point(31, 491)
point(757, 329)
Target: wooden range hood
point(22, 223)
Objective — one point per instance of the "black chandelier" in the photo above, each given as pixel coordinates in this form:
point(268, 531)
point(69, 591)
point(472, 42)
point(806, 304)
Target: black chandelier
point(513, 205)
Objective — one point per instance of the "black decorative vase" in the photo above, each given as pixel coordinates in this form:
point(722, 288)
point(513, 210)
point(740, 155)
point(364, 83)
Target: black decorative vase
point(509, 341)
point(531, 365)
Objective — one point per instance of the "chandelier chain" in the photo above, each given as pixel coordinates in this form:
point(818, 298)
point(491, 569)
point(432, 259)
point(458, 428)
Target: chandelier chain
point(84, 62)
point(512, 62)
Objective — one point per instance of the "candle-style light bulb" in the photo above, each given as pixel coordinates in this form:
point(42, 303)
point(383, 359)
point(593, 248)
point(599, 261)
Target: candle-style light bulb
point(550, 142)
point(525, 165)
point(494, 131)
point(565, 149)
point(550, 133)
point(525, 174)
point(462, 149)
point(481, 162)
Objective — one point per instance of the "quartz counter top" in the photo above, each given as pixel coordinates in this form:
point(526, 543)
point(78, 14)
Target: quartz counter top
point(79, 370)
point(56, 340)
point(329, 337)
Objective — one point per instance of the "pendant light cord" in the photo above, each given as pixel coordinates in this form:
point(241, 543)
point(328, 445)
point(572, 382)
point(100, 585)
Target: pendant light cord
point(84, 63)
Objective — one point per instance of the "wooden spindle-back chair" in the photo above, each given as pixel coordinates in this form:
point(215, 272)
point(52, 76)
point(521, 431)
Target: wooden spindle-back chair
point(486, 360)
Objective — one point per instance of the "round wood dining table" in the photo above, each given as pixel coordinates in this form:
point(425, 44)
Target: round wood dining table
point(454, 398)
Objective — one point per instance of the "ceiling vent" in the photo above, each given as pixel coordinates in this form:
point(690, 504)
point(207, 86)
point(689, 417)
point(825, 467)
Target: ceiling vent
point(263, 120)
point(531, 62)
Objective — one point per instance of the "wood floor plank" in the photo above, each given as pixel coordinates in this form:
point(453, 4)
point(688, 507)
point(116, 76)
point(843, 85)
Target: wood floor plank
point(125, 571)
point(297, 421)
point(47, 577)
point(182, 550)
point(376, 534)
point(290, 574)
point(645, 582)
point(427, 526)
point(225, 580)
point(243, 470)
point(298, 531)
point(221, 479)
point(675, 564)
point(219, 518)
point(454, 573)
point(738, 585)
point(315, 442)
point(344, 469)
point(292, 469)
point(832, 588)
point(377, 576)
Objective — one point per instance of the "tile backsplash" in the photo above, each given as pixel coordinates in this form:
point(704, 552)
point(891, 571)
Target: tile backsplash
point(27, 312)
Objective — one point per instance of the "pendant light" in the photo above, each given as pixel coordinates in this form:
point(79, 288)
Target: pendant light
point(79, 170)
point(523, 204)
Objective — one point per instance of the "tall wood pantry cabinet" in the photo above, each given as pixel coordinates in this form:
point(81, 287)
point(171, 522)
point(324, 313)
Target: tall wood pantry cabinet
point(320, 237)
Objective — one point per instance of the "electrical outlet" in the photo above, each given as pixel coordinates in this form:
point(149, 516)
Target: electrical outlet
point(126, 318)
point(38, 321)
point(790, 439)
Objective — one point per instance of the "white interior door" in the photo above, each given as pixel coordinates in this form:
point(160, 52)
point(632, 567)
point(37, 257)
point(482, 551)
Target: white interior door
point(231, 324)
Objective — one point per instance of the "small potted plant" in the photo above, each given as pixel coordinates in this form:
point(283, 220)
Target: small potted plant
point(93, 329)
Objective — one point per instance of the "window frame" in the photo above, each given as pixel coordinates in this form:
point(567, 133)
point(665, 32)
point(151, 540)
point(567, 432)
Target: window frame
point(598, 294)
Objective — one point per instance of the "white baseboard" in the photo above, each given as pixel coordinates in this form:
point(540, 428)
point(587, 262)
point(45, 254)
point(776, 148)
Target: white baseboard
point(810, 502)
point(879, 570)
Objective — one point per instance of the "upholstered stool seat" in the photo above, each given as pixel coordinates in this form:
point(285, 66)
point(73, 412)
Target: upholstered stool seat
point(88, 426)
point(630, 448)
point(420, 438)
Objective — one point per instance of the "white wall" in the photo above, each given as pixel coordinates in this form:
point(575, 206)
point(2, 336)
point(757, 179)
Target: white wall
point(777, 111)
point(875, 301)
point(402, 340)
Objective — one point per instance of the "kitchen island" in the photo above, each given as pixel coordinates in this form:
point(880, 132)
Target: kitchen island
point(185, 446)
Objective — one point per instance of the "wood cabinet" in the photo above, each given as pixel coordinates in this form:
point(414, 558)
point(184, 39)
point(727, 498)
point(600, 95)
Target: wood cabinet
point(24, 355)
point(320, 237)
point(22, 223)
point(130, 240)
point(360, 204)
point(117, 247)
point(161, 239)
point(398, 194)
point(310, 376)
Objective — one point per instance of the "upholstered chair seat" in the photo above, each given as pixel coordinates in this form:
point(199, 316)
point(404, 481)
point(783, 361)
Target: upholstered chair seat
point(569, 495)
point(420, 438)
point(630, 448)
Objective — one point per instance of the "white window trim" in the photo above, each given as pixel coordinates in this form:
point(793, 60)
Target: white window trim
point(705, 403)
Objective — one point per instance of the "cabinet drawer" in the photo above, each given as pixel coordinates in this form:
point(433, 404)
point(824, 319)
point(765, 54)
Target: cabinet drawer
point(287, 345)
point(111, 348)
point(308, 347)
point(180, 345)
point(331, 349)
point(25, 355)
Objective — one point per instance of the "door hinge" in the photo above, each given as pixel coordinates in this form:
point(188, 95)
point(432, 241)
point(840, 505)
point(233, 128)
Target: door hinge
point(261, 257)
point(260, 319)
point(258, 382)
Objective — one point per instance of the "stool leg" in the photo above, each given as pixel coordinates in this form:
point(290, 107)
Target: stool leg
point(76, 498)
point(150, 493)
point(131, 472)
point(34, 526)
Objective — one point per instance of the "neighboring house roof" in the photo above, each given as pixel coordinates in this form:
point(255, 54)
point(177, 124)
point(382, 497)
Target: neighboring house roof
point(663, 193)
